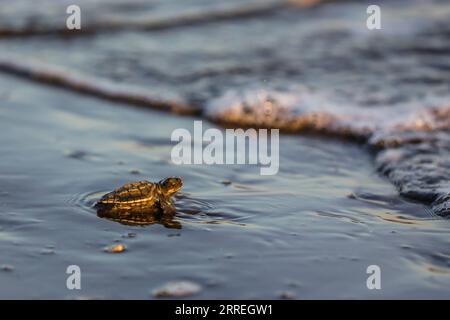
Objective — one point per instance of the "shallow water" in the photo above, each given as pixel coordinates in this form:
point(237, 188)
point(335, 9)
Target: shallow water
point(308, 232)
point(256, 238)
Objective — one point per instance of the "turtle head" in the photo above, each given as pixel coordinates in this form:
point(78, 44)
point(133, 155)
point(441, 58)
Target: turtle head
point(170, 186)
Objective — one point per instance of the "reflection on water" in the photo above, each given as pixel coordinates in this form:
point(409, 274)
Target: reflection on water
point(138, 216)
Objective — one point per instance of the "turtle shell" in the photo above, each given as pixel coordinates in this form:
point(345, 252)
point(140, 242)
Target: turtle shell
point(132, 195)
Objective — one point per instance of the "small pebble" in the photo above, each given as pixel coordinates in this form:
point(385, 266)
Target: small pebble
point(294, 284)
point(212, 283)
point(6, 268)
point(173, 235)
point(47, 251)
point(118, 248)
point(129, 235)
point(77, 154)
point(177, 289)
point(287, 295)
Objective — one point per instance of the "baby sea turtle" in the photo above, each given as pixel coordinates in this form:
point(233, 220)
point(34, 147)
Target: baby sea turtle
point(142, 196)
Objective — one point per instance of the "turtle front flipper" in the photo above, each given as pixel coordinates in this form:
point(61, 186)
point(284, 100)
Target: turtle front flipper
point(167, 206)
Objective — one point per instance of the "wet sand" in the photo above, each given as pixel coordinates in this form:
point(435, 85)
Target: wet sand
point(363, 174)
point(258, 237)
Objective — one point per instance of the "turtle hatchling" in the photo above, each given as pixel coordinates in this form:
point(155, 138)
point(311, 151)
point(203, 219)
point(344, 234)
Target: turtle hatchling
point(143, 195)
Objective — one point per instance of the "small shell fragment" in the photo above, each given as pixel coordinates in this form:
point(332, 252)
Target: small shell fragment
point(6, 268)
point(177, 289)
point(118, 248)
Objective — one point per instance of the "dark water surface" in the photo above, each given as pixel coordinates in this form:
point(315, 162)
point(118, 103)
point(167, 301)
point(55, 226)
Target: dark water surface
point(308, 232)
